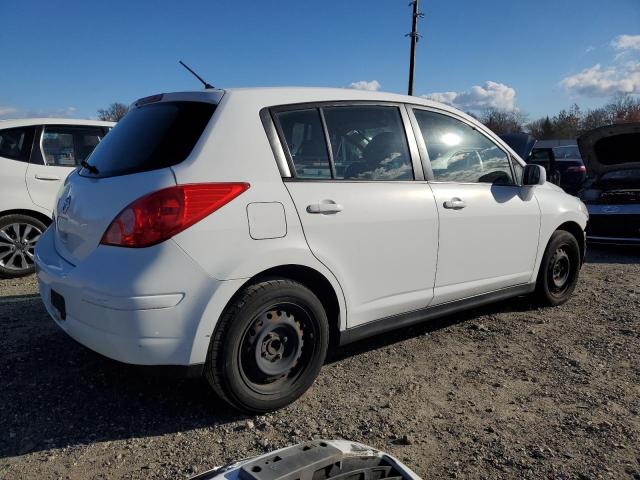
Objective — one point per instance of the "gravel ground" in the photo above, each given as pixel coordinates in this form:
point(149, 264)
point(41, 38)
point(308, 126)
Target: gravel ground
point(505, 391)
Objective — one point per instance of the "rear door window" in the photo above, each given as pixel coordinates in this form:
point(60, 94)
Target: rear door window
point(151, 137)
point(16, 143)
point(368, 143)
point(67, 146)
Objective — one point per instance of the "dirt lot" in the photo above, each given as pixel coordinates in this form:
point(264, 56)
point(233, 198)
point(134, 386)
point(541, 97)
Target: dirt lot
point(506, 391)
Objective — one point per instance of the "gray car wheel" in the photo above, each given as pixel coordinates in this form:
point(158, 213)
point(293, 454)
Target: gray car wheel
point(18, 237)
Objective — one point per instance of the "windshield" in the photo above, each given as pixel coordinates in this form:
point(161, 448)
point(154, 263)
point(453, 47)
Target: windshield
point(151, 137)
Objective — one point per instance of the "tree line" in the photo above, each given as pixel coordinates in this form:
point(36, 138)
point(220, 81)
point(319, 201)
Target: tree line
point(569, 123)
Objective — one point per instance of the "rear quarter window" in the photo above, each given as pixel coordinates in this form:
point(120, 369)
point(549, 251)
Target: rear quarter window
point(151, 137)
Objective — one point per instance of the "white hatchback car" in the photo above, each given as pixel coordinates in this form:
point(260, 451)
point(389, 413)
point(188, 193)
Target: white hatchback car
point(241, 232)
point(36, 155)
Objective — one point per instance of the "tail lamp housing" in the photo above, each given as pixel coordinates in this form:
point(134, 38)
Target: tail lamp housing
point(160, 215)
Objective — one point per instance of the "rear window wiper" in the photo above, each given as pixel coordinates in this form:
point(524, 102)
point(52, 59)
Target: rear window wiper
point(90, 168)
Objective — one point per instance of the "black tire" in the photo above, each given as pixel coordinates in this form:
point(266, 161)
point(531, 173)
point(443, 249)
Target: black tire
point(18, 236)
point(268, 347)
point(559, 269)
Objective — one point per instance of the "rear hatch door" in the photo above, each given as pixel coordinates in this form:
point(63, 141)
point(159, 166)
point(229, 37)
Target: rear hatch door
point(132, 161)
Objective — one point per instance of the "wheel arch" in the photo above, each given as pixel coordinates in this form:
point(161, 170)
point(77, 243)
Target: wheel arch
point(315, 281)
point(576, 230)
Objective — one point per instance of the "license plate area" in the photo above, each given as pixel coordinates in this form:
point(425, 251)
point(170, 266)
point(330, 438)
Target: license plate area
point(57, 301)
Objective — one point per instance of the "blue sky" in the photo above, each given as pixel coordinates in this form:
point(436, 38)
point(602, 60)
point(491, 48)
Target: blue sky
point(73, 57)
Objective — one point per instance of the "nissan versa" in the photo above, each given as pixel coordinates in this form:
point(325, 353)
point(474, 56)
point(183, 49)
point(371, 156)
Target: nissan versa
point(241, 232)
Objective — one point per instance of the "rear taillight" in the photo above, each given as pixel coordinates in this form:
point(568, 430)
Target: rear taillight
point(160, 215)
point(577, 169)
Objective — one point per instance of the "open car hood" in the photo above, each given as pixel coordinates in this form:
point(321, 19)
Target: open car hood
point(610, 148)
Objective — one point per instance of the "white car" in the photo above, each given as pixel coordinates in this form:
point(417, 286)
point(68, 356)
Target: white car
point(241, 232)
point(36, 155)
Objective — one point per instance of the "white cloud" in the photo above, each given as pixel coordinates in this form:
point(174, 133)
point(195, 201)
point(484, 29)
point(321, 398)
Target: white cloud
point(589, 49)
point(7, 111)
point(626, 42)
point(371, 86)
point(491, 95)
point(597, 81)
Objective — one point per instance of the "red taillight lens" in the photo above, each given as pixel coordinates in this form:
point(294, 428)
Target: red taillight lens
point(577, 169)
point(160, 215)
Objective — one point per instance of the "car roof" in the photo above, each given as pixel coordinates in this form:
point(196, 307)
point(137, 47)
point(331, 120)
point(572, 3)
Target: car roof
point(26, 122)
point(272, 96)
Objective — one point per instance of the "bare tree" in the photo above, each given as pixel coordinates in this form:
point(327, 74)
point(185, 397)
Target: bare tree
point(566, 124)
point(573, 122)
point(113, 113)
point(502, 121)
point(624, 109)
point(541, 128)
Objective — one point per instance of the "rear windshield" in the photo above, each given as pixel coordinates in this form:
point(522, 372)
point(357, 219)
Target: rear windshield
point(151, 137)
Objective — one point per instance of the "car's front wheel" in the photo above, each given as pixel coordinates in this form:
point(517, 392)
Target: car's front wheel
point(558, 274)
point(18, 236)
point(268, 347)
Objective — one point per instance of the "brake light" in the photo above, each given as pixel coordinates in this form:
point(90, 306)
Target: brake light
point(577, 169)
point(160, 215)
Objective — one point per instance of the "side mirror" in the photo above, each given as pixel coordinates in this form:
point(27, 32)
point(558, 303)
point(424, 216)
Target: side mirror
point(534, 175)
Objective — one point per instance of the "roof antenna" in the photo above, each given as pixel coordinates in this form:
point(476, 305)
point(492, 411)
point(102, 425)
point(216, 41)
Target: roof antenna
point(204, 82)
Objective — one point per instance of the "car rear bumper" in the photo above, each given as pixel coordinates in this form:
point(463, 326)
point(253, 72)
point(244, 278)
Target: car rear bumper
point(139, 306)
point(618, 224)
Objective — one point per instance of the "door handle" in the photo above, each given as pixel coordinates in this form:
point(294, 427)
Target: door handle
point(455, 204)
point(49, 178)
point(325, 207)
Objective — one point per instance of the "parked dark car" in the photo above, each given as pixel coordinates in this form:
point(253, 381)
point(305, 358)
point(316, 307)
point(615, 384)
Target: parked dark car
point(569, 170)
point(563, 164)
point(612, 188)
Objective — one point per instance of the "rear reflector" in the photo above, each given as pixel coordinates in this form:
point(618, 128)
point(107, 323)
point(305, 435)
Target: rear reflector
point(577, 169)
point(160, 215)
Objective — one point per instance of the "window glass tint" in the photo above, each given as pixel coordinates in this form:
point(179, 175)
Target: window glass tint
point(68, 146)
point(15, 143)
point(459, 153)
point(151, 137)
point(305, 139)
point(368, 143)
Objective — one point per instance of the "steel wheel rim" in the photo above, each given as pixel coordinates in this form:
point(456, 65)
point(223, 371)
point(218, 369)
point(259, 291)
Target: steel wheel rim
point(276, 348)
point(17, 246)
point(559, 271)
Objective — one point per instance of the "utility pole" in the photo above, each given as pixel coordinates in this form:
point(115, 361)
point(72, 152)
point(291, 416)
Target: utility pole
point(414, 39)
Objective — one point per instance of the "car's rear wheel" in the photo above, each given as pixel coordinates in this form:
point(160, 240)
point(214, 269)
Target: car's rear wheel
point(268, 346)
point(559, 269)
point(18, 236)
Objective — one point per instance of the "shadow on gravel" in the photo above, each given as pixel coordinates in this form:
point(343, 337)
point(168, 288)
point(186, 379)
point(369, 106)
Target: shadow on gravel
point(624, 254)
point(56, 393)
point(32, 297)
point(519, 304)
